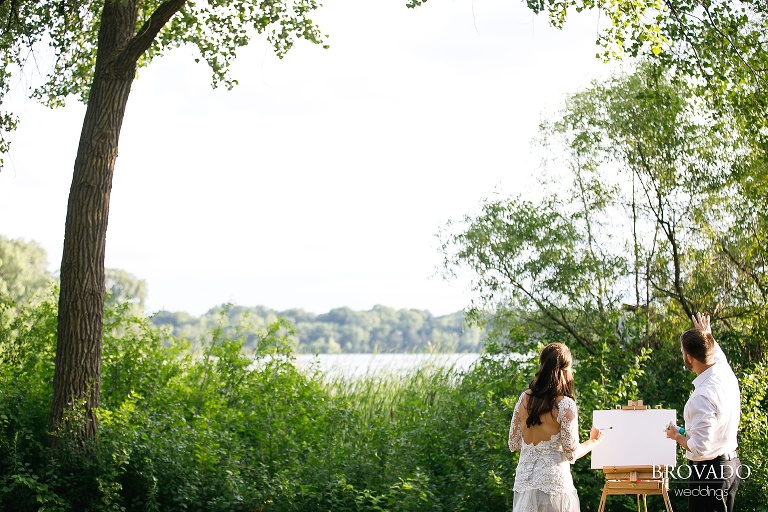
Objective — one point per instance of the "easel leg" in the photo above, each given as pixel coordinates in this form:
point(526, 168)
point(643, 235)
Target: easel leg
point(601, 508)
point(667, 502)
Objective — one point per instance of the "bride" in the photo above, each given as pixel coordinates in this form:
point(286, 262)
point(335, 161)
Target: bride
point(546, 431)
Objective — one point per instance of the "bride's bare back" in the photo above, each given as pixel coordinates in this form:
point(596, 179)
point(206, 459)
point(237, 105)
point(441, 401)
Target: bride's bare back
point(538, 433)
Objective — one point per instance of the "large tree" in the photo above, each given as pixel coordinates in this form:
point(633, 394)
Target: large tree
point(97, 48)
point(664, 216)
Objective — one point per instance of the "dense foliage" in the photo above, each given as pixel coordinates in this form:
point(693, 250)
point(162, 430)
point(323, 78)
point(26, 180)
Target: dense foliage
point(225, 429)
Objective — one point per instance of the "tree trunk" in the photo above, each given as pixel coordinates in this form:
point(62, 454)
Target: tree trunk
point(77, 377)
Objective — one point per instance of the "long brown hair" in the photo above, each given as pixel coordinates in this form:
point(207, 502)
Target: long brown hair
point(550, 382)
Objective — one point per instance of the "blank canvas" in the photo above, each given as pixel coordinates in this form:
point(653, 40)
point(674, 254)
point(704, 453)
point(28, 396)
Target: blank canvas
point(636, 439)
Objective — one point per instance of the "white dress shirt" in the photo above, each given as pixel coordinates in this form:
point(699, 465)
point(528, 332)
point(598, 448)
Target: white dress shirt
point(713, 411)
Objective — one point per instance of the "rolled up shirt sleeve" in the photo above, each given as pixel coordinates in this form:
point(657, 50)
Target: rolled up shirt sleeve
point(701, 426)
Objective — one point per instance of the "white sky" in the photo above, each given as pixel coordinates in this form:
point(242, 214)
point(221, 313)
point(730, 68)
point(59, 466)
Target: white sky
point(321, 180)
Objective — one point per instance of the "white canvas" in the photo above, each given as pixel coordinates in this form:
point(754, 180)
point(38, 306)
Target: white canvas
point(636, 439)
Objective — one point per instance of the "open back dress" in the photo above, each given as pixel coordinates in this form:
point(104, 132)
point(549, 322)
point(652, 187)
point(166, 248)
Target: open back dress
point(543, 481)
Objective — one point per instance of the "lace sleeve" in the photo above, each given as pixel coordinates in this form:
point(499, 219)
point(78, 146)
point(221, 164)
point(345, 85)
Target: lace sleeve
point(515, 428)
point(568, 418)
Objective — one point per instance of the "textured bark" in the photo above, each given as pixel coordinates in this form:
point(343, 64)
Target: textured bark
point(77, 377)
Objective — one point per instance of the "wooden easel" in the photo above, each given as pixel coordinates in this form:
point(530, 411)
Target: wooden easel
point(633, 405)
point(637, 480)
point(640, 481)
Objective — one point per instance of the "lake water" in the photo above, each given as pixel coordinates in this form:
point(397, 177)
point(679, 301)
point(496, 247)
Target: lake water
point(359, 365)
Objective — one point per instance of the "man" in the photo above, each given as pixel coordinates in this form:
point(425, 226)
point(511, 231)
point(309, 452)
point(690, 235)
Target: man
point(711, 422)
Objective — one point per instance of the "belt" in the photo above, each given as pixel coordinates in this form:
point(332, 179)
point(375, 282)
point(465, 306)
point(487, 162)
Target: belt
point(724, 457)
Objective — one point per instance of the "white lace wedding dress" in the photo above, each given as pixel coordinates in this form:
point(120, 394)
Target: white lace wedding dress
point(543, 481)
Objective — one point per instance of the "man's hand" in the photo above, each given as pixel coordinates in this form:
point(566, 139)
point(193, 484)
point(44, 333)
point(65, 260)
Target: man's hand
point(672, 430)
point(701, 321)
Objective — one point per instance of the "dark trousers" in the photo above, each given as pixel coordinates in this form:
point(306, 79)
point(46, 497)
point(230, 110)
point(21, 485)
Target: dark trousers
point(713, 484)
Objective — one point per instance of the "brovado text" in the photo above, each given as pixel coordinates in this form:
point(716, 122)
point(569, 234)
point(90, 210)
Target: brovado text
point(686, 471)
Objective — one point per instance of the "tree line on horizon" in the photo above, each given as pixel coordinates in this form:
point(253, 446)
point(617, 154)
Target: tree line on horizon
point(341, 330)
point(25, 278)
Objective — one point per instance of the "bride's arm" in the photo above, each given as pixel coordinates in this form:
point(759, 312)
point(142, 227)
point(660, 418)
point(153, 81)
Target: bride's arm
point(569, 432)
point(515, 428)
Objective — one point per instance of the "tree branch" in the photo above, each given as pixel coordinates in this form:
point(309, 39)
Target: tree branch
point(547, 310)
point(143, 39)
point(668, 228)
point(739, 54)
point(750, 273)
point(680, 23)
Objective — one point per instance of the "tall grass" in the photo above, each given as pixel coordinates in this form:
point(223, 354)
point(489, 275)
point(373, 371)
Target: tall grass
point(436, 431)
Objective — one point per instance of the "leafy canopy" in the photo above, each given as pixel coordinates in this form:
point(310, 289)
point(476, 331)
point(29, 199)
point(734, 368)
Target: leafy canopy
point(55, 43)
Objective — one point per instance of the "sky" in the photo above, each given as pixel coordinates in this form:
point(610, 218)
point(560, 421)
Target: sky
point(321, 180)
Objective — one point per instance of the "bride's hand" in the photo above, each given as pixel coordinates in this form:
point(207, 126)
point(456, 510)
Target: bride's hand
point(595, 434)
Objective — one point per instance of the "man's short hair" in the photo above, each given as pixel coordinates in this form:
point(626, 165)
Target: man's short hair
point(698, 344)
